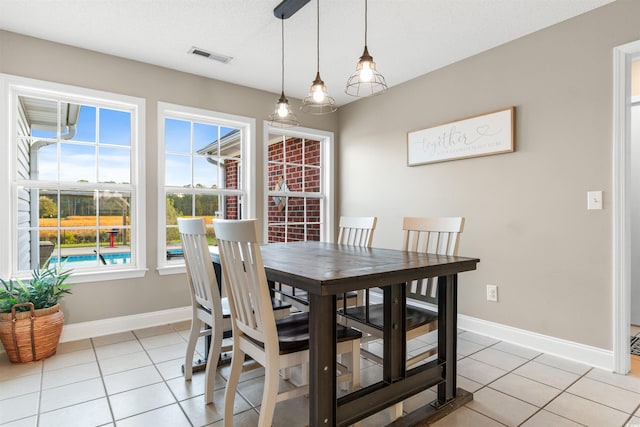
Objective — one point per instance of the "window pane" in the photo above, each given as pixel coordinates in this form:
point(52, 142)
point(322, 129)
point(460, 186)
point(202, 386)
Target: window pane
point(37, 117)
point(296, 233)
point(312, 152)
point(205, 139)
point(77, 163)
point(294, 178)
point(115, 209)
point(85, 127)
point(295, 209)
point(277, 207)
point(78, 241)
point(115, 237)
point(311, 180)
point(276, 177)
point(232, 208)
point(231, 173)
point(47, 156)
point(114, 165)
point(115, 127)
point(47, 245)
point(178, 171)
point(173, 244)
point(206, 206)
point(77, 208)
point(205, 173)
point(178, 205)
point(276, 233)
point(177, 136)
point(294, 151)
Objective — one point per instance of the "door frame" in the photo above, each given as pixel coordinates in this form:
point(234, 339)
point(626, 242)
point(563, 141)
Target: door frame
point(622, 58)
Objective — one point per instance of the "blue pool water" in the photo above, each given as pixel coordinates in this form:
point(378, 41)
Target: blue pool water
point(92, 260)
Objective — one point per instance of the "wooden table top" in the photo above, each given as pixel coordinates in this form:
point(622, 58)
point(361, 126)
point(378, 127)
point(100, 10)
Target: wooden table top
point(328, 268)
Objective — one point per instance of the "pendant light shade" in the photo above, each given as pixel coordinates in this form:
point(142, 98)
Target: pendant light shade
point(365, 80)
point(282, 116)
point(318, 101)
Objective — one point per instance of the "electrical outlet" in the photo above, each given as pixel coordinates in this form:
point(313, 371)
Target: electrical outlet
point(492, 293)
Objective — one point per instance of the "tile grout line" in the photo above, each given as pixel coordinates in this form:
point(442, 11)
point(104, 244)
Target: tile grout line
point(104, 386)
point(40, 394)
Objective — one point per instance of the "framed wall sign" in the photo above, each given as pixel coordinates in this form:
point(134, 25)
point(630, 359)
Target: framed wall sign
point(482, 135)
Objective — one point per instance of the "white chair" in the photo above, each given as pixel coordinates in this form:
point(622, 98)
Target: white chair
point(428, 235)
point(273, 344)
point(207, 306)
point(356, 231)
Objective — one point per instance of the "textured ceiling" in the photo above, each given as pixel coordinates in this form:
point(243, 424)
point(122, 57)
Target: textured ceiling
point(407, 38)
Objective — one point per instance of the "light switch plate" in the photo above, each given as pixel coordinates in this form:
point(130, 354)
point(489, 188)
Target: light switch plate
point(594, 200)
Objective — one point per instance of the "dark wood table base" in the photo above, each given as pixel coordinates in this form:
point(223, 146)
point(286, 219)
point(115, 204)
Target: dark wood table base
point(428, 414)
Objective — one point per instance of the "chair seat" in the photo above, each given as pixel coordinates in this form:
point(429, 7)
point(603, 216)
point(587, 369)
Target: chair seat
point(416, 316)
point(293, 333)
point(275, 303)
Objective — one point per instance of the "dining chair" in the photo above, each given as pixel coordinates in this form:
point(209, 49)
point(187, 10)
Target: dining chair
point(274, 344)
point(208, 308)
point(352, 230)
point(427, 235)
point(210, 315)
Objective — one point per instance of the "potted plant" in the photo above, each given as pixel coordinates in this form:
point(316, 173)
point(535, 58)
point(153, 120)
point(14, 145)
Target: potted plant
point(30, 316)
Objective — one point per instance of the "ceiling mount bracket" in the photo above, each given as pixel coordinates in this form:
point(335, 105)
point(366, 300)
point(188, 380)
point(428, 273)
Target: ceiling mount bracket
point(287, 8)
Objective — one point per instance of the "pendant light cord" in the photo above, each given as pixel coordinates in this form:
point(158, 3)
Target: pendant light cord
point(282, 52)
point(365, 22)
point(318, 34)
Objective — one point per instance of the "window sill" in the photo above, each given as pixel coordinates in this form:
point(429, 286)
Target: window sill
point(103, 276)
point(171, 269)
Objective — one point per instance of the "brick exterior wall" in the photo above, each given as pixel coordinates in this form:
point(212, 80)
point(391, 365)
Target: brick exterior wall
point(298, 178)
point(231, 176)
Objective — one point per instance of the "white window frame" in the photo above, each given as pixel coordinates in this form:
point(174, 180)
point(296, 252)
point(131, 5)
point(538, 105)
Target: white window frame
point(11, 87)
point(247, 175)
point(327, 161)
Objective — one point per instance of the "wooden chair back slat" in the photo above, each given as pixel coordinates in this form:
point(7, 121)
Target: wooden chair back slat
point(356, 231)
point(200, 273)
point(430, 235)
point(245, 280)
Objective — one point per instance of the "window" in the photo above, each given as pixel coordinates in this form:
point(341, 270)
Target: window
point(76, 180)
point(205, 170)
point(298, 172)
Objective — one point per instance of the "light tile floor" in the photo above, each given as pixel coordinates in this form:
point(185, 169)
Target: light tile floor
point(135, 379)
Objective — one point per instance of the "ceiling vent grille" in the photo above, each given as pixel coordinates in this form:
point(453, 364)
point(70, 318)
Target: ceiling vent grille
point(210, 55)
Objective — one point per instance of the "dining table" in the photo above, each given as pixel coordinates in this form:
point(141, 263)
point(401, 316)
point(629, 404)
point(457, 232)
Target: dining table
point(325, 270)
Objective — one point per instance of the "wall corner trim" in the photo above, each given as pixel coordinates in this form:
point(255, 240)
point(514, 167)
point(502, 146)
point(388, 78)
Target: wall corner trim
point(592, 356)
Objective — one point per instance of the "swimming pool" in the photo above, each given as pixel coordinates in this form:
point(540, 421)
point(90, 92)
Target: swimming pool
point(91, 260)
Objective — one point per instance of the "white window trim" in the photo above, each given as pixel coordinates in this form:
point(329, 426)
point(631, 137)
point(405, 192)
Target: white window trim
point(10, 87)
point(248, 155)
point(327, 159)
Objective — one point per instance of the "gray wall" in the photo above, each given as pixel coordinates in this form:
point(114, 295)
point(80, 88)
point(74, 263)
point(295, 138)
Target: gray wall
point(526, 216)
point(38, 59)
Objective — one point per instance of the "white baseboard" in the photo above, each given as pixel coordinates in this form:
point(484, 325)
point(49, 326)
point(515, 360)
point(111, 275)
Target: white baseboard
point(96, 328)
point(589, 355)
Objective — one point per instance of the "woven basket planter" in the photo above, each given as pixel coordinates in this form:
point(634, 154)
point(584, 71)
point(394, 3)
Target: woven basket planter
point(31, 335)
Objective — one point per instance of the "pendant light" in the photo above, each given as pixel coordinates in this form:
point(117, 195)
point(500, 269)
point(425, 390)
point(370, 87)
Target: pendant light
point(318, 101)
point(366, 80)
point(282, 116)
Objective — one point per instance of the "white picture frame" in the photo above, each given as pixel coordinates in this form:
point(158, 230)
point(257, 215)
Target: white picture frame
point(482, 135)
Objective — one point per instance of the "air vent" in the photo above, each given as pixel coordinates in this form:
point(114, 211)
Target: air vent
point(210, 55)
